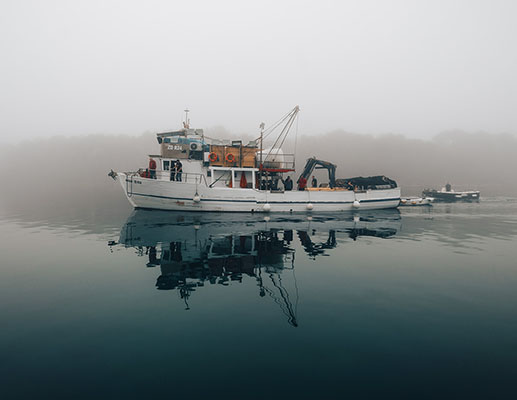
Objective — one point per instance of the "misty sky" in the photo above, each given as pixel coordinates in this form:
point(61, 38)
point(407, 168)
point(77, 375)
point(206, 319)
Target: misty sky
point(413, 67)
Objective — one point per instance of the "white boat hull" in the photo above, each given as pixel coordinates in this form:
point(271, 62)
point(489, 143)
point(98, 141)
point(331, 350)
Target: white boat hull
point(177, 196)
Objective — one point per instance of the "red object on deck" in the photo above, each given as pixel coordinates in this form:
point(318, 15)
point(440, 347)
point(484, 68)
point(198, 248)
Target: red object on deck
point(152, 164)
point(277, 169)
point(244, 182)
point(302, 183)
point(262, 168)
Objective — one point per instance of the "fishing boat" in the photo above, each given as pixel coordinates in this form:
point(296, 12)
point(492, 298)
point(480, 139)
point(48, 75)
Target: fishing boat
point(448, 195)
point(194, 172)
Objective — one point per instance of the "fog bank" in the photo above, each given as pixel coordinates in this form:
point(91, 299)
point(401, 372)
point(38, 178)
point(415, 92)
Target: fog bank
point(70, 173)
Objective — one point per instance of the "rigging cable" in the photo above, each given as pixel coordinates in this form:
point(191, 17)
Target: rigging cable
point(270, 130)
point(288, 126)
point(285, 131)
point(295, 142)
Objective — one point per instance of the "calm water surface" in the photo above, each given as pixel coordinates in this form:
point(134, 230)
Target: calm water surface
point(419, 303)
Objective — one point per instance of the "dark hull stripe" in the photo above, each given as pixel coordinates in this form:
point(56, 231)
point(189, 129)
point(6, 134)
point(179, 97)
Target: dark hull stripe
point(190, 198)
point(270, 202)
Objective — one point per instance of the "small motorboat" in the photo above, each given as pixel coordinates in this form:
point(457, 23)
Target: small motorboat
point(447, 194)
point(416, 201)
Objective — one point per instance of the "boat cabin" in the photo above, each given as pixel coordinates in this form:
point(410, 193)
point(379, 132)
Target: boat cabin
point(217, 163)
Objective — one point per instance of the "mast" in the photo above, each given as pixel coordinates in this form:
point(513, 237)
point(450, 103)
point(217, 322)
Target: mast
point(262, 125)
point(186, 124)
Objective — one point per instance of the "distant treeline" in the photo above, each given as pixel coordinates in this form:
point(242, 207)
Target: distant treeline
point(467, 160)
point(72, 171)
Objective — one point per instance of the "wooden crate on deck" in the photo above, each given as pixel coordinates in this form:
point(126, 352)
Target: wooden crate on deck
point(247, 154)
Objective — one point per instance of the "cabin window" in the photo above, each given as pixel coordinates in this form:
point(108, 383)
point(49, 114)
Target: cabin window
point(166, 165)
point(196, 155)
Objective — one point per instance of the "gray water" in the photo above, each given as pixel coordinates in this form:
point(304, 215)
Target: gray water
point(416, 303)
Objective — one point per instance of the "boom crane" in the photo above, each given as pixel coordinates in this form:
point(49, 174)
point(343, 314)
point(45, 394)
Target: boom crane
point(313, 163)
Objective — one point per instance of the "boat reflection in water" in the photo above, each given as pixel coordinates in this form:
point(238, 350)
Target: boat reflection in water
point(195, 249)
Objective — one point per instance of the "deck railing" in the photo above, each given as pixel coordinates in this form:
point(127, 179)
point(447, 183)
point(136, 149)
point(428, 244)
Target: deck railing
point(277, 161)
point(186, 177)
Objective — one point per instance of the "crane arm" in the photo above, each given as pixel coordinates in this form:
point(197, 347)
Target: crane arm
point(313, 163)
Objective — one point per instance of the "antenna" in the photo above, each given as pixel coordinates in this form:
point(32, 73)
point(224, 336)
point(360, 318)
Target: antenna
point(186, 124)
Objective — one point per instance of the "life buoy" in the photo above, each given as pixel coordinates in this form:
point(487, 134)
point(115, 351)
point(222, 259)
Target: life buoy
point(230, 158)
point(212, 157)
